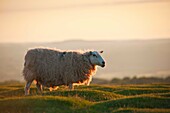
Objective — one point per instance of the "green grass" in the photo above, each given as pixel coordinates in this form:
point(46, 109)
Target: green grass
point(43, 104)
point(154, 98)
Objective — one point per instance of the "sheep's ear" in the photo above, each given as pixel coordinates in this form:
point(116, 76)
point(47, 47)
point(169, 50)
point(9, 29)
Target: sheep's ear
point(91, 52)
point(101, 51)
point(63, 54)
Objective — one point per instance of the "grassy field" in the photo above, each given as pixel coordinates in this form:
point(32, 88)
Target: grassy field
point(154, 98)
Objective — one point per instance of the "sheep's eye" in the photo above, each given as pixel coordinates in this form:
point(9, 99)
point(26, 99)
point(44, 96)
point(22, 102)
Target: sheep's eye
point(94, 55)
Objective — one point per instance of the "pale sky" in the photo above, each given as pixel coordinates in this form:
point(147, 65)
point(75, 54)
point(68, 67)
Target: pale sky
point(58, 20)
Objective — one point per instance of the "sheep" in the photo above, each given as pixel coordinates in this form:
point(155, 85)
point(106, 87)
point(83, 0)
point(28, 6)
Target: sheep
point(52, 67)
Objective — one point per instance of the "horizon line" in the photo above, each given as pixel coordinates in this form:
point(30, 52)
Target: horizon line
point(83, 40)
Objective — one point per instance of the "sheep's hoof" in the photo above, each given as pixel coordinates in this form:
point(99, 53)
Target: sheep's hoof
point(26, 93)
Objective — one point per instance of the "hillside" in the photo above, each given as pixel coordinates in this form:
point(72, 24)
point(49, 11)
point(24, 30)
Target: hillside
point(123, 58)
point(153, 98)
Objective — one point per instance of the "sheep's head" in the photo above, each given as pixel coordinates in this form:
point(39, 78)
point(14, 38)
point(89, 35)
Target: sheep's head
point(96, 59)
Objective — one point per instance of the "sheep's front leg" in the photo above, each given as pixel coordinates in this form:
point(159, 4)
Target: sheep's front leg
point(27, 88)
point(88, 81)
point(71, 87)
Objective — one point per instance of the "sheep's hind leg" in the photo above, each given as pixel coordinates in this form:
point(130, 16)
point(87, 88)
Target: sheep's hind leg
point(39, 87)
point(71, 87)
point(27, 88)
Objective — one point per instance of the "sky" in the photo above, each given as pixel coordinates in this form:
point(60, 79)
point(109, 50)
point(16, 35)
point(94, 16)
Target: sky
point(59, 20)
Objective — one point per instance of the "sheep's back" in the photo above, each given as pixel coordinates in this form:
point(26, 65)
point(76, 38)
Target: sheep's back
point(54, 67)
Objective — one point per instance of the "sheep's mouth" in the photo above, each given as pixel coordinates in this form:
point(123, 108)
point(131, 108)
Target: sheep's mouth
point(103, 65)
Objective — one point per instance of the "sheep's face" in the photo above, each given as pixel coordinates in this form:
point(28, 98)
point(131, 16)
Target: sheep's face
point(96, 59)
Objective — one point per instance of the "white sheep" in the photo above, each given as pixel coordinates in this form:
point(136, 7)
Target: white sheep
point(52, 67)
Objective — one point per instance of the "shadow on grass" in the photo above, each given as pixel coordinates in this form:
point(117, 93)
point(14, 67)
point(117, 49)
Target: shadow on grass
point(128, 92)
point(17, 92)
point(138, 102)
point(90, 95)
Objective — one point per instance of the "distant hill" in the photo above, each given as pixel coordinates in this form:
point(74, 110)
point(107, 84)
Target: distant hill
point(123, 58)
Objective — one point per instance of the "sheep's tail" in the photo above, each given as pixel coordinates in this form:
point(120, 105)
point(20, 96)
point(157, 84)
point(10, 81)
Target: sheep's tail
point(25, 63)
point(27, 73)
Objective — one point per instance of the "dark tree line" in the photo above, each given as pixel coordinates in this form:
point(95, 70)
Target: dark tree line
point(134, 80)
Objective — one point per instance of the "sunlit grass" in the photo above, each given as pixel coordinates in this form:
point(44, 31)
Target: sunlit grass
point(154, 98)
